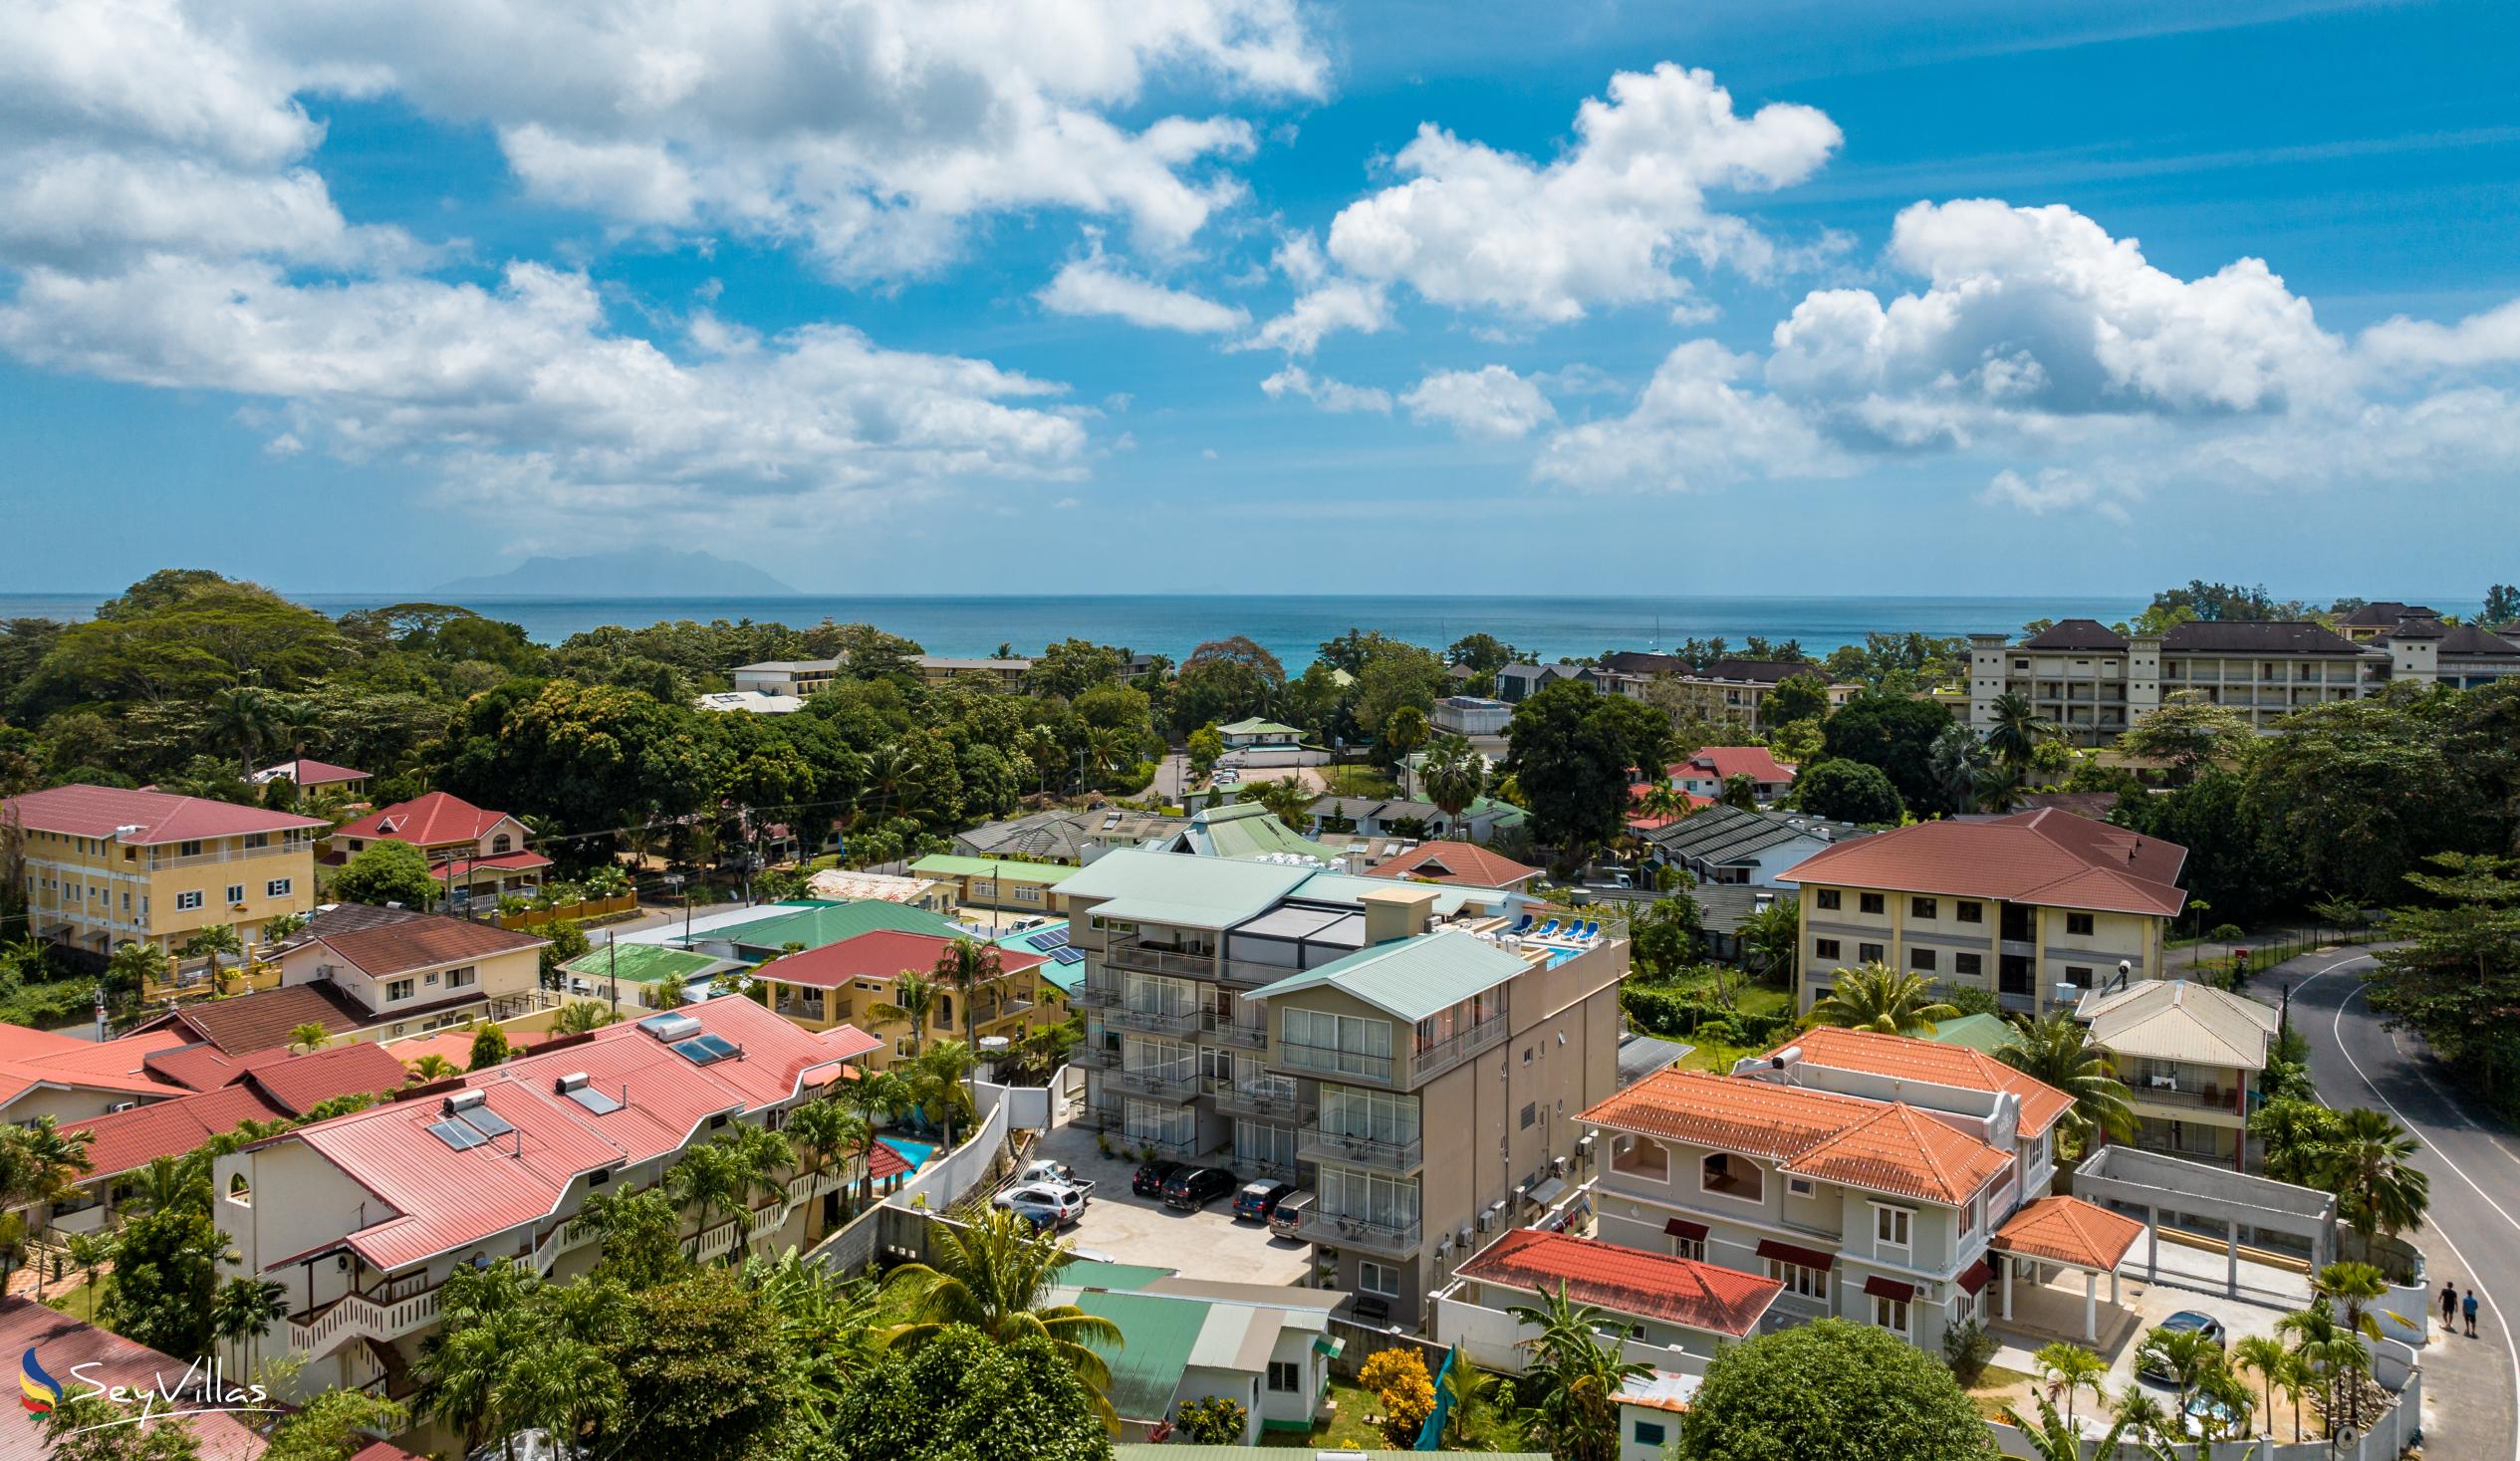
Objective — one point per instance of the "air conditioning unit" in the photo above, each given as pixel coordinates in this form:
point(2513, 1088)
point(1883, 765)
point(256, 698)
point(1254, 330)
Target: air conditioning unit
point(121, 1105)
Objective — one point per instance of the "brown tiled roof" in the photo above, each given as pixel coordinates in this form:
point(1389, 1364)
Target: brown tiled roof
point(253, 1021)
point(388, 941)
point(2257, 636)
point(1701, 1295)
point(2069, 1230)
point(2385, 612)
point(2469, 639)
point(1882, 1146)
point(1901, 1059)
point(1757, 672)
point(2044, 856)
point(2076, 633)
point(1465, 864)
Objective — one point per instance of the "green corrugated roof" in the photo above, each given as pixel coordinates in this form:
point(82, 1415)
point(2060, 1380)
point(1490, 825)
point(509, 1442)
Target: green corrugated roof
point(1159, 1334)
point(815, 927)
point(1410, 978)
point(1981, 1033)
point(947, 865)
point(1173, 887)
point(1093, 1273)
point(1255, 726)
point(1248, 830)
point(1506, 813)
point(643, 963)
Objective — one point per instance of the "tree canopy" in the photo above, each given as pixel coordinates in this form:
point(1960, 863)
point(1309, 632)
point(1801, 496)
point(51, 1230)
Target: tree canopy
point(1847, 1392)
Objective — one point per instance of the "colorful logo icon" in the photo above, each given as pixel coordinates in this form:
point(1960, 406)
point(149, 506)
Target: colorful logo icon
point(43, 1392)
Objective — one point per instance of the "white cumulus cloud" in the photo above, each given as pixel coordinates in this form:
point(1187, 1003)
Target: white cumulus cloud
point(2055, 489)
point(1329, 394)
point(1321, 312)
point(1094, 287)
point(1695, 425)
point(1491, 403)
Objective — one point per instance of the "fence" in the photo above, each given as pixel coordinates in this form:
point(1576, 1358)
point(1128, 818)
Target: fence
point(570, 912)
point(1359, 1343)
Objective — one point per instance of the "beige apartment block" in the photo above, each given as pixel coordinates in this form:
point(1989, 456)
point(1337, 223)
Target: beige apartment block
point(107, 866)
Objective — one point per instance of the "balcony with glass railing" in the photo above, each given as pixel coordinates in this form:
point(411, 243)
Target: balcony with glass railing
point(1340, 1231)
point(1315, 1143)
point(1225, 1029)
point(1434, 1059)
point(1330, 1060)
point(1177, 1081)
point(1264, 1100)
point(1124, 951)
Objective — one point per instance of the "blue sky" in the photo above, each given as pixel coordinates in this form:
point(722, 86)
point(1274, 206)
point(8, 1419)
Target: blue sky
point(996, 296)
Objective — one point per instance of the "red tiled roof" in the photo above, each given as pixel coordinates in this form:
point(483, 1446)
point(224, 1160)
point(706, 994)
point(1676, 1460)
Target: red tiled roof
point(2070, 1230)
point(84, 811)
point(441, 1199)
point(306, 771)
point(200, 1065)
point(427, 820)
point(383, 1451)
point(505, 863)
point(1876, 1145)
point(1466, 864)
point(456, 1045)
point(63, 1345)
point(2044, 856)
point(388, 942)
point(1901, 1059)
point(881, 954)
point(1725, 762)
point(1699, 1296)
point(302, 1083)
point(886, 1163)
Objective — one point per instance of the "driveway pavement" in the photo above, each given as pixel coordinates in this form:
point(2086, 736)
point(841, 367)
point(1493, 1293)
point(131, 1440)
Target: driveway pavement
point(2055, 1310)
point(2472, 1386)
point(1207, 1244)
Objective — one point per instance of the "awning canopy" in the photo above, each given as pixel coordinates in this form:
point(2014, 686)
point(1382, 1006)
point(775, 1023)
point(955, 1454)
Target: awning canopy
point(1893, 1290)
point(1813, 1258)
point(1684, 1228)
point(1973, 1277)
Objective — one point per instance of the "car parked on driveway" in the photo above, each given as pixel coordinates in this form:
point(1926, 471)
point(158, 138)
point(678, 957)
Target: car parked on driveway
point(1258, 1199)
point(1288, 1214)
point(1053, 1171)
point(1149, 1179)
point(1035, 1201)
point(2186, 1322)
point(1195, 1187)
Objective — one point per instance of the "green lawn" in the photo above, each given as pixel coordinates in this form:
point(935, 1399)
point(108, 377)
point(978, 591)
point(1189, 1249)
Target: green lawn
point(78, 1301)
point(1346, 1430)
point(1997, 1388)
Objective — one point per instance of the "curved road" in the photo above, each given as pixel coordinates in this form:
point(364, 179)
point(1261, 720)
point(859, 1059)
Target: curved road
point(2473, 1160)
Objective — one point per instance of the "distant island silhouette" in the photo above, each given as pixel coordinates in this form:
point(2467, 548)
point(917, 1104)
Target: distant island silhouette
point(646, 573)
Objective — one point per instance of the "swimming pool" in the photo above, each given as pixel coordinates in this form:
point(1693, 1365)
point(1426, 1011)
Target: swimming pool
point(915, 1153)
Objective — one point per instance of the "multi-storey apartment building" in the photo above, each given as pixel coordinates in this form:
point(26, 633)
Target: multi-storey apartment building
point(1389, 1047)
point(1876, 1178)
point(1735, 691)
point(360, 1218)
point(2034, 908)
point(785, 678)
point(2094, 682)
point(852, 981)
point(107, 866)
point(2191, 1056)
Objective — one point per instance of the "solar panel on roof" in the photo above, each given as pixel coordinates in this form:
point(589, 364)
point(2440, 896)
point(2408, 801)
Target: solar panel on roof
point(594, 1101)
point(1068, 956)
point(486, 1121)
point(456, 1134)
point(704, 1050)
point(1055, 938)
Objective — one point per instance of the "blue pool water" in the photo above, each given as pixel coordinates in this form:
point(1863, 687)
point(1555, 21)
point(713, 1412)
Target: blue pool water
point(915, 1153)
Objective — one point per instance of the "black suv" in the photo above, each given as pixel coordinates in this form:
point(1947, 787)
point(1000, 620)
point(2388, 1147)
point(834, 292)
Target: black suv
point(1192, 1188)
point(1257, 1200)
point(1153, 1178)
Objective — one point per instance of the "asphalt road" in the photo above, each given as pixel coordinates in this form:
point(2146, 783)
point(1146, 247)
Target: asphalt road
point(2473, 1235)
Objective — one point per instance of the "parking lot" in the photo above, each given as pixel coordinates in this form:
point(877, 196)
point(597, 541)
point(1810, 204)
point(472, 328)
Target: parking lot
point(1207, 1244)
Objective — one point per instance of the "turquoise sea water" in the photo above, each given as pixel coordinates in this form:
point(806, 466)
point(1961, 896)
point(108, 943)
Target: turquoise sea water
point(1289, 625)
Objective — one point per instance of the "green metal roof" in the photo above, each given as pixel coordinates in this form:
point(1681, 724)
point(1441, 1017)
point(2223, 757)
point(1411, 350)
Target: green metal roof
point(1159, 1334)
point(1349, 889)
point(1248, 830)
point(642, 963)
point(1255, 726)
point(1409, 978)
point(815, 927)
point(1505, 813)
point(1093, 1273)
point(947, 865)
point(1981, 1033)
point(1179, 890)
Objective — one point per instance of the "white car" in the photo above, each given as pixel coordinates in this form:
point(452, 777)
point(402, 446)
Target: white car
point(1046, 1203)
point(1058, 1172)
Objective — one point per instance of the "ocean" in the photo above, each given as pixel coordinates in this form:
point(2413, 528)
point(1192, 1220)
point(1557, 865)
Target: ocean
point(1291, 627)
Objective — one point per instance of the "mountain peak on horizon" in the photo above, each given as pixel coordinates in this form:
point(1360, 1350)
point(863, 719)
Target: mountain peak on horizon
point(645, 572)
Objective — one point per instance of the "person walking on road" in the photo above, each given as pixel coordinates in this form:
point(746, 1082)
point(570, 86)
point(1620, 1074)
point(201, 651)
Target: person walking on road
point(2450, 1304)
point(2467, 1307)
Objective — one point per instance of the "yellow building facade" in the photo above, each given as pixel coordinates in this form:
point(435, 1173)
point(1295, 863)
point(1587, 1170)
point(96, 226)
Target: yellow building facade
point(107, 866)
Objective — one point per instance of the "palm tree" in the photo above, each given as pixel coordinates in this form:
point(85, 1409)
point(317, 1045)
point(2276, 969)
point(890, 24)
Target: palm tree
point(2298, 1377)
point(1469, 1388)
point(2138, 1414)
point(243, 1310)
point(993, 1275)
point(874, 1096)
point(310, 1037)
point(966, 964)
point(563, 1385)
point(1774, 936)
point(430, 1068)
point(2326, 1347)
point(1453, 775)
point(2369, 1165)
point(936, 1077)
point(1570, 1386)
point(2057, 1051)
point(89, 1252)
point(244, 717)
point(1955, 760)
point(1664, 801)
point(913, 999)
point(765, 1158)
point(820, 1129)
point(712, 1178)
point(2056, 1437)
point(2351, 1287)
point(2070, 1369)
point(580, 1015)
point(2185, 1356)
point(1404, 730)
point(167, 1183)
point(134, 966)
point(213, 940)
point(1879, 998)
point(1289, 800)
point(298, 726)
point(2018, 728)
point(2266, 1355)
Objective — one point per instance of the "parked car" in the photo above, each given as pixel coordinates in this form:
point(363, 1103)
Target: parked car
point(1258, 1199)
point(1195, 1187)
point(1063, 1205)
point(1289, 1214)
point(2186, 1320)
point(1149, 1179)
point(1060, 1172)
